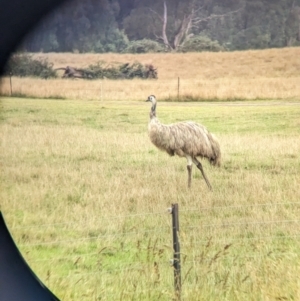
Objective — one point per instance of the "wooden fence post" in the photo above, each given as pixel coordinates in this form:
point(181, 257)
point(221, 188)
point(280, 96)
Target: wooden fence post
point(176, 248)
point(101, 91)
point(11, 91)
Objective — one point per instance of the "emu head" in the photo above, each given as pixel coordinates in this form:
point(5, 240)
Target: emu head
point(151, 98)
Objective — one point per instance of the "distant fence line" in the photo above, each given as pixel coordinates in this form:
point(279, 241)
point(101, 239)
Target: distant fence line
point(176, 88)
point(99, 93)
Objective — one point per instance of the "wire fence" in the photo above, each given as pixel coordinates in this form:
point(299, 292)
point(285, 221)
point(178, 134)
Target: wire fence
point(173, 89)
point(146, 251)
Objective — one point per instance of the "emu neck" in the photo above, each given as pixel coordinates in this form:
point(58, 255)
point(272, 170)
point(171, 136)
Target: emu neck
point(153, 111)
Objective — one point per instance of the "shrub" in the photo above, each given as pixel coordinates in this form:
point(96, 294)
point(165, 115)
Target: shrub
point(143, 46)
point(112, 71)
point(120, 71)
point(201, 43)
point(22, 64)
point(116, 41)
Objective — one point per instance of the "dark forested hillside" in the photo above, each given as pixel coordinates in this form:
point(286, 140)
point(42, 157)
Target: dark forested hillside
point(171, 25)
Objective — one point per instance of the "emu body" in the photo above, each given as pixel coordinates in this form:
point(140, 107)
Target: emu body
point(185, 139)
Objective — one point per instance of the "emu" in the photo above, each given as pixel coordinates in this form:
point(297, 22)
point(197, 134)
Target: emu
point(185, 139)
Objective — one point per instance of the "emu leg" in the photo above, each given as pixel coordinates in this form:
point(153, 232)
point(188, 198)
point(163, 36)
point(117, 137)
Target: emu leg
point(199, 166)
point(189, 168)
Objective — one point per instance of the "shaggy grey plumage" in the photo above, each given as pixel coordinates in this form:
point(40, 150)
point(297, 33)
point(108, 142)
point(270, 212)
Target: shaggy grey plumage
point(185, 139)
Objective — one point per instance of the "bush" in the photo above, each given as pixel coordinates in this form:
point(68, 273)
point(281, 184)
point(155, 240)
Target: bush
point(22, 64)
point(201, 43)
point(120, 71)
point(112, 71)
point(143, 46)
point(116, 41)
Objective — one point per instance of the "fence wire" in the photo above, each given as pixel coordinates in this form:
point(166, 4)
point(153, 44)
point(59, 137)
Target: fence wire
point(147, 251)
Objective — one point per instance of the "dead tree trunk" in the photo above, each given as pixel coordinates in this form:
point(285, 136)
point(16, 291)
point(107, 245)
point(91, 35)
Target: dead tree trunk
point(183, 32)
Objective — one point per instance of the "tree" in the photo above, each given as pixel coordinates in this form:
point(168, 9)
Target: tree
point(112, 25)
point(292, 32)
point(190, 18)
point(182, 31)
point(83, 26)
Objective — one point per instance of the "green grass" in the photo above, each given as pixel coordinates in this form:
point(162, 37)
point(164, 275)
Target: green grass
point(85, 195)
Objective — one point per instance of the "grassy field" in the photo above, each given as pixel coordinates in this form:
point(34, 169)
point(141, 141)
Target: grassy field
point(85, 195)
point(251, 75)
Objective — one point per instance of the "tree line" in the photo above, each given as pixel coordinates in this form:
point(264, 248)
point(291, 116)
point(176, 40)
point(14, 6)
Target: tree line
point(138, 26)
